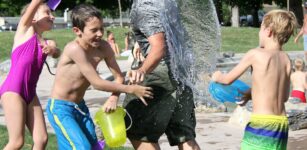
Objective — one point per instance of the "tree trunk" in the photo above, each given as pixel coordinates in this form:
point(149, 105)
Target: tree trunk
point(120, 13)
point(235, 16)
point(296, 7)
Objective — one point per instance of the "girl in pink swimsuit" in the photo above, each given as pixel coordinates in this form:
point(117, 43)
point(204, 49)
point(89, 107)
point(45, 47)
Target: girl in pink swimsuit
point(18, 91)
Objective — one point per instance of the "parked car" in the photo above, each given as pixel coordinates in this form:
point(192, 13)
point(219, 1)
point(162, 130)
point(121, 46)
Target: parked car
point(8, 27)
point(247, 20)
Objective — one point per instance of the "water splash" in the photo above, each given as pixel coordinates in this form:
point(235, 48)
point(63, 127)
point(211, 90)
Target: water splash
point(193, 39)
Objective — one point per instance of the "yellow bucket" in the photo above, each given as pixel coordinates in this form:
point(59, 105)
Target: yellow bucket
point(113, 126)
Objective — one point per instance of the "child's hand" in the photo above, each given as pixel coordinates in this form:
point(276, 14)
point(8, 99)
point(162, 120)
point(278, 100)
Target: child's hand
point(136, 76)
point(295, 40)
point(216, 75)
point(247, 95)
point(47, 49)
point(142, 92)
point(111, 104)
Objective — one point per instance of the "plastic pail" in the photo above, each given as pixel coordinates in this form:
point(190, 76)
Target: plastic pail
point(113, 126)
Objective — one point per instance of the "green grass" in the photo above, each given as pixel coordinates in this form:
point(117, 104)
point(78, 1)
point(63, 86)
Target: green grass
point(52, 143)
point(28, 140)
point(238, 40)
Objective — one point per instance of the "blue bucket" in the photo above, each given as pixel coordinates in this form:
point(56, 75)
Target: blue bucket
point(228, 93)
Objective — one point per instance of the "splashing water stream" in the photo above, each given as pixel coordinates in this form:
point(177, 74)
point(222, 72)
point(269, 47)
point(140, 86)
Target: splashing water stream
point(193, 39)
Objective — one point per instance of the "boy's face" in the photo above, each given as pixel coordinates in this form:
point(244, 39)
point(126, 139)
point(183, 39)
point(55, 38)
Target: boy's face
point(92, 32)
point(44, 18)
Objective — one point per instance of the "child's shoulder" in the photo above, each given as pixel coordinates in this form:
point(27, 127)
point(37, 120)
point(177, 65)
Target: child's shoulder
point(72, 47)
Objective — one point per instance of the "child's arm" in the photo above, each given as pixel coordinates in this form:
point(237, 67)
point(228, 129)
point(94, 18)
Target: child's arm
point(27, 18)
point(75, 53)
point(299, 34)
point(236, 72)
point(110, 60)
point(51, 49)
point(117, 49)
point(126, 42)
point(302, 30)
point(305, 84)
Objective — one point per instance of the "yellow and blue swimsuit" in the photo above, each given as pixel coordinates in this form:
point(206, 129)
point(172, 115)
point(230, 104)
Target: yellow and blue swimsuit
point(72, 124)
point(266, 132)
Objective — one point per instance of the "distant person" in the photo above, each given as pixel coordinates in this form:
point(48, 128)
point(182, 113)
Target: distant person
point(18, 92)
point(268, 126)
point(298, 80)
point(113, 44)
point(303, 31)
point(76, 71)
point(137, 56)
point(129, 41)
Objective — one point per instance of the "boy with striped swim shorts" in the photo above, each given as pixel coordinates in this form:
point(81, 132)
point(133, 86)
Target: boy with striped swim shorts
point(268, 126)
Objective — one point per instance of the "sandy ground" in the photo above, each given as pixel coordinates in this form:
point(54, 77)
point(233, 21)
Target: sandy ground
point(213, 132)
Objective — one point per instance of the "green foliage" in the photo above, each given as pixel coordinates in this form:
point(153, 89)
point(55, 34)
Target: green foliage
point(13, 7)
point(226, 13)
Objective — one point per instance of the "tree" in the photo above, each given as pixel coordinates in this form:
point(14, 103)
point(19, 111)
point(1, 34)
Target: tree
point(120, 13)
point(13, 7)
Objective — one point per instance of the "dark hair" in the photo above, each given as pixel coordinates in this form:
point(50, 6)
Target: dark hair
point(81, 13)
point(109, 32)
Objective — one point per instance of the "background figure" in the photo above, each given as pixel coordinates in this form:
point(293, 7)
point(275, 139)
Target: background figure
point(138, 58)
point(303, 31)
point(172, 109)
point(298, 80)
point(129, 41)
point(113, 44)
point(18, 92)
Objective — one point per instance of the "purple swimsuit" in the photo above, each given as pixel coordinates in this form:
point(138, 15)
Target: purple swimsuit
point(27, 61)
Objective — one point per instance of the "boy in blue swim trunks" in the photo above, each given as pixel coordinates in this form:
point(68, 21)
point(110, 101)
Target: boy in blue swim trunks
point(303, 32)
point(76, 70)
point(268, 126)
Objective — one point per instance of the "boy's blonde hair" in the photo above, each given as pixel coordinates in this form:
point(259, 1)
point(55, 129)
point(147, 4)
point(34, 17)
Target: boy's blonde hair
point(299, 64)
point(283, 24)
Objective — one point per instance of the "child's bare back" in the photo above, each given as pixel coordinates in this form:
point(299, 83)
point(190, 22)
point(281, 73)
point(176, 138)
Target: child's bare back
point(271, 74)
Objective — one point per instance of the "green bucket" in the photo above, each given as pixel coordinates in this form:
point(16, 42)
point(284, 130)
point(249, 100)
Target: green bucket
point(112, 126)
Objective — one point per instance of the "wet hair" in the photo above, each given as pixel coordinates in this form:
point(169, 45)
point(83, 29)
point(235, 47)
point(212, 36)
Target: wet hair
point(82, 13)
point(299, 64)
point(25, 7)
point(283, 24)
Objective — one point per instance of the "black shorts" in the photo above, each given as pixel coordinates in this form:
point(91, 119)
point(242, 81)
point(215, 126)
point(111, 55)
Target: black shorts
point(170, 112)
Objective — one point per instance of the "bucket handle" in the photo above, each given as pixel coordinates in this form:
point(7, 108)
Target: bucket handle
point(129, 118)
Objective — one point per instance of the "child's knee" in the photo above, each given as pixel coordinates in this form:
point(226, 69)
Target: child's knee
point(41, 139)
point(16, 143)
